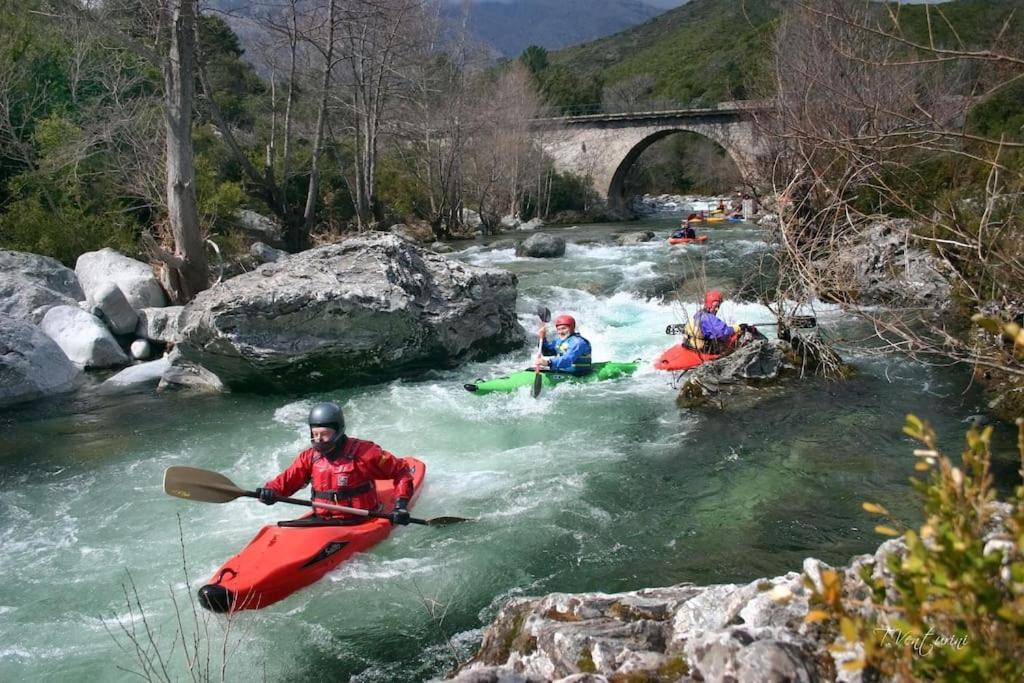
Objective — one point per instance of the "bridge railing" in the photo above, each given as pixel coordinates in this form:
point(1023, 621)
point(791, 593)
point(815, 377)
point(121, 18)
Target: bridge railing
point(599, 109)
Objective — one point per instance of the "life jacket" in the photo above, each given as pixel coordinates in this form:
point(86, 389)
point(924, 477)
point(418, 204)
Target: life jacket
point(347, 477)
point(692, 335)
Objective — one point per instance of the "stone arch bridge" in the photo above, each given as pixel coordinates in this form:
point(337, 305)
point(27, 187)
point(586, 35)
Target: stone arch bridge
point(603, 147)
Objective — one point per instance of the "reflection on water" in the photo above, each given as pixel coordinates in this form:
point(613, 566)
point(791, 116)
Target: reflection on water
point(605, 486)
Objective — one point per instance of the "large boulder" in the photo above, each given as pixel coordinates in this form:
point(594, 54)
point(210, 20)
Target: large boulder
point(83, 338)
point(113, 307)
point(541, 245)
point(30, 285)
point(727, 632)
point(31, 364)
point(884, 264)
point(366, 308)
point(136, 279)
point(160, 324)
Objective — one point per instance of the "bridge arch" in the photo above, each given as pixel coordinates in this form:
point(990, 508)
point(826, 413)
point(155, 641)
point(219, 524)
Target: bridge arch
point(604, 147)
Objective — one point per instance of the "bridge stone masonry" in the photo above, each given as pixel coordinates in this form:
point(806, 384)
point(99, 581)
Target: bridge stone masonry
point(603, 147)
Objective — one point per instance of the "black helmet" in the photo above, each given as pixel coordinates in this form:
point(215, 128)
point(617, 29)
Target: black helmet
point(328, 415)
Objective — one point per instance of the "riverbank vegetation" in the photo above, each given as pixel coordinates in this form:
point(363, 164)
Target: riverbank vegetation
point(886, 113)
point(344, 116)
point(949, 604)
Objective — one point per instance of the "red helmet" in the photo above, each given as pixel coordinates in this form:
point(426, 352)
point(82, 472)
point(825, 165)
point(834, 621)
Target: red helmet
point(711, 298)
point(566, 320)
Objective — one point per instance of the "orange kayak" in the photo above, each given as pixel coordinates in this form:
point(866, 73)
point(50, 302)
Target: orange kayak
point(287, 556)
point(688, 240)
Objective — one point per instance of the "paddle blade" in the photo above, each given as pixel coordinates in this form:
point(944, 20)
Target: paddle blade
point(204, 486)
point(538, 381)
point(802, 321)
point(447, 521)
point(543, 313)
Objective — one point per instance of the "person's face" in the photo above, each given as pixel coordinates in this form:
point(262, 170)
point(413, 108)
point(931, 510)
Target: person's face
point(321, 434)
point(715, 306)
point(563, 331)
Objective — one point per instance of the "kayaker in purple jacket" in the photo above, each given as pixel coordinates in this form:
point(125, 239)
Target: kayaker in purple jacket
point(715, 333)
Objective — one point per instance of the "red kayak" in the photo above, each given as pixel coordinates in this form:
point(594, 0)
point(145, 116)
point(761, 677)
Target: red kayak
point(681, 357)
point(287, 556)
point(688, 240)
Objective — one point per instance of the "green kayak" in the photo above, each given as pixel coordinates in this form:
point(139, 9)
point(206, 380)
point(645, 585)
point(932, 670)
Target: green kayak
point(524, 378)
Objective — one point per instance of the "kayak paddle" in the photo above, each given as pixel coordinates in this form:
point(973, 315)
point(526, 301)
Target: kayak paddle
point(204, 486)
point(545, 315)
point(805, 321)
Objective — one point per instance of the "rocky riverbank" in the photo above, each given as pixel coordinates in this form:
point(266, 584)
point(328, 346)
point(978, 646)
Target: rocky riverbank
point(745, 633)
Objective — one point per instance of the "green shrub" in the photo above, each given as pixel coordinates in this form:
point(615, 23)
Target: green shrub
point(949, 611)
point(64, 232)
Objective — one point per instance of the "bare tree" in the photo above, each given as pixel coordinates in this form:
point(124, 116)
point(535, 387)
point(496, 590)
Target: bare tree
point(186, 272)
point(378, 37)
point(868, 118)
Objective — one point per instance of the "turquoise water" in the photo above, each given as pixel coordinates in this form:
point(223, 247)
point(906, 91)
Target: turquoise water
point(606, 486)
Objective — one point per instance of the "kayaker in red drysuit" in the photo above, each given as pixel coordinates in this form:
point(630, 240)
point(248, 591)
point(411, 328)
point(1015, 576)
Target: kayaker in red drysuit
point(570, 353)
point(342, 469)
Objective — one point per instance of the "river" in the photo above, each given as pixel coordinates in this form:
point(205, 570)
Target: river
point(605, 486)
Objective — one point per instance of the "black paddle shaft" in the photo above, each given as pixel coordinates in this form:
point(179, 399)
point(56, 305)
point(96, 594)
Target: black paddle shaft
point(309, 504)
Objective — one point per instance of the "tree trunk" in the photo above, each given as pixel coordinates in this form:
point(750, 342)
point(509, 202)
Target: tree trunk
point(309, 215)
point(189, 275)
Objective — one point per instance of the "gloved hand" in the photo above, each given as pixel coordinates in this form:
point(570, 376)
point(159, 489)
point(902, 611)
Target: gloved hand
point(399, 515)
point(744, 327)
point(266, 496)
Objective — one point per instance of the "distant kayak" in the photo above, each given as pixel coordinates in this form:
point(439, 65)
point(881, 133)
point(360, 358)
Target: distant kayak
point(709, 219)
point(287, 556)
point(688, 240)
point(524, 378)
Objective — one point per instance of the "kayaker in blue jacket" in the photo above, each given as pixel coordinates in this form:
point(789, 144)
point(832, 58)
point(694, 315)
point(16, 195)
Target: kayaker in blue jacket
point(570, 353)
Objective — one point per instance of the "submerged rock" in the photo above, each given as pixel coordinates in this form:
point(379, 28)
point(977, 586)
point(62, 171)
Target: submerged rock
point(367, 308)
point(542, 245)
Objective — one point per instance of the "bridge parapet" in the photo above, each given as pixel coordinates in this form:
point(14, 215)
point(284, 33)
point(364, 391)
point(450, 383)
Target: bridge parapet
point(602, 147)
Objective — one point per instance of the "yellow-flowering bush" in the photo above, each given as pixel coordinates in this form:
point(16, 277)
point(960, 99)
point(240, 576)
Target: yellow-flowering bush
point(949, 604)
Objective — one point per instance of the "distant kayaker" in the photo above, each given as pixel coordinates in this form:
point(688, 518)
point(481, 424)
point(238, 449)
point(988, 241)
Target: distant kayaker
point(570, 353)
point(685, 230)
point(708, 332)
point(342, 469)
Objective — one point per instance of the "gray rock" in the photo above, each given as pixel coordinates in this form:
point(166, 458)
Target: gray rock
point(882, 264)
point(419, 231)
point(541, 245)
point(183, 374)
point(441, 248)
point(264, 253)
point(136, 279)
point(532, 224)
point(259, 226)
point(139, 374)
point(160, 324)
point(141, 349)
point(367, 308)
point(82, 337)
point(115, 309)
point(634, 238)
point(31, 284)
point(31, 364)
